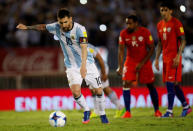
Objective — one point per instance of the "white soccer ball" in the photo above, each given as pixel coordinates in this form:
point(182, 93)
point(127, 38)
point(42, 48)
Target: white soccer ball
point(57, 119)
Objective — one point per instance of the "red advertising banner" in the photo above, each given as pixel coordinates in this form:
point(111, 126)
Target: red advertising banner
point(62, 99)
point(28, 59)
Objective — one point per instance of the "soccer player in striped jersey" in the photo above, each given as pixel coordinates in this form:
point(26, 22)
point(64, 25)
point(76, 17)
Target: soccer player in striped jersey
point(78, 62)
point(104, 69)
point(171, 42)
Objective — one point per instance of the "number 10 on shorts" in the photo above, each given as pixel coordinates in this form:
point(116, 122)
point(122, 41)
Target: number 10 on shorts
point(98, 79)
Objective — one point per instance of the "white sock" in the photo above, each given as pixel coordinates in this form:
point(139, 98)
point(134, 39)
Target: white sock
point(100, 102)
point(168, 110)
point(82, 102)
point(114, 99)
point(186, 107)
point(96, 110)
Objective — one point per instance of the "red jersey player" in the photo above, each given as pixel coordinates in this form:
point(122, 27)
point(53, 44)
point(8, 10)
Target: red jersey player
point(171, 42)
point(137, 64)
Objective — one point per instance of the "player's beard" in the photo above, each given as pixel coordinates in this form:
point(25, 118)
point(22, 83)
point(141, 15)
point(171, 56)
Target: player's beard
point(66, 29)
point(130, 30)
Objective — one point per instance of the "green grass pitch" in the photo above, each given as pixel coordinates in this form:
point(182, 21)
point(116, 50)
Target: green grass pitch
point(142, 120)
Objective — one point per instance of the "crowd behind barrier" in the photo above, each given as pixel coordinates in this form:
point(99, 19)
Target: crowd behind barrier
point(44, 68)
point(112, 13)
point(29, 74)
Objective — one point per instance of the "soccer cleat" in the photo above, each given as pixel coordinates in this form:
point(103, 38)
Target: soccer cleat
point(126, 115)
point(167, 114)
point(185, 112)
point(93, 115)
point(158, 113)
point(86, 117)
point(120, 113)
point(104, 119)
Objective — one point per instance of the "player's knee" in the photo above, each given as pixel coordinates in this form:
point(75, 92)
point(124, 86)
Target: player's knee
point(76, 90)
point(150, 85)
point(107, 90)
point(176, 83)
point(99, 91)
point(76, 93)
point(127, 84)
point(93, 91)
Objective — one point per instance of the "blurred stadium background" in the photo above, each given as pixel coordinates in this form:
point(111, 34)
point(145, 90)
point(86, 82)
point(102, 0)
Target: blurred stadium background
point(31, 59)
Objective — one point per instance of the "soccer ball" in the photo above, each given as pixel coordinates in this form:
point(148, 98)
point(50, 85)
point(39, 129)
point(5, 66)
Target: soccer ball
point(57, 119)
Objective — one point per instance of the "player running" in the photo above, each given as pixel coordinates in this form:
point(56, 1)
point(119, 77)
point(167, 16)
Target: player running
point(78, 61)
point(104, 69)
point(172, 42)
point(140, 48)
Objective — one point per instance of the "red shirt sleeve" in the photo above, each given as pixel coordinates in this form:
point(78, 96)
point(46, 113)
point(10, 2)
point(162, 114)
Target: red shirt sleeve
point(121, 38)
point(148, 37)
point(179, 28)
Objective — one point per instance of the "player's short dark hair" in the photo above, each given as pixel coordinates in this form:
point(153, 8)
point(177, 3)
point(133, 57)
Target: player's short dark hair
point(167, 4)
point(63, 12)
point(133, 17)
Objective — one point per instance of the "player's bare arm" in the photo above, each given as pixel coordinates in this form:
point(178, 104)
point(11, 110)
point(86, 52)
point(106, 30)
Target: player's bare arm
point(158, 53)
point(102, 65)
point(83, 70)
point(176, 60)
point(40, 27)
point(147, 57)
point(120, 58)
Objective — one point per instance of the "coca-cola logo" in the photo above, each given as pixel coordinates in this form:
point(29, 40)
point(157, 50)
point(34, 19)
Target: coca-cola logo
point(38, 60)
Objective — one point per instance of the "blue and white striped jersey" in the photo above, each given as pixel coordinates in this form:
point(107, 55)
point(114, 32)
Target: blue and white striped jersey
point(103, 52)
point(70, 43)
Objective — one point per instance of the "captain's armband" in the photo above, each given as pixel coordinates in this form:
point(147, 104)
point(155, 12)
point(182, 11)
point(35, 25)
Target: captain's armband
point(83, 40)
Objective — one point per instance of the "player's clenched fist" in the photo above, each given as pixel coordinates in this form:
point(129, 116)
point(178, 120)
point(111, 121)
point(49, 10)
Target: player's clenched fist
point(21, 26)
point(119, 71)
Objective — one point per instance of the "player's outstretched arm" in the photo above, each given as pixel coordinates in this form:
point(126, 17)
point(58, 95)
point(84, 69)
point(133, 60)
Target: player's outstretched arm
point(40, 27)
point(158, 53)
